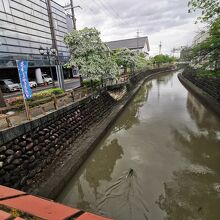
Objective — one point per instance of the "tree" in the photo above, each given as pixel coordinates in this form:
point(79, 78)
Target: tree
point(210, 9)
point(125, 58)
point(207, 52)
point(161, 59)
point(90, 54)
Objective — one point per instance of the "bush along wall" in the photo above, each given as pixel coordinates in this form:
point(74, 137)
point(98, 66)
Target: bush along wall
point(28, 154)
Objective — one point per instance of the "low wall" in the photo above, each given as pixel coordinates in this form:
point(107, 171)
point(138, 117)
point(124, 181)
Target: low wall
point(206, 98)
point(26, 150)
point(30, 147)
point(210, 85)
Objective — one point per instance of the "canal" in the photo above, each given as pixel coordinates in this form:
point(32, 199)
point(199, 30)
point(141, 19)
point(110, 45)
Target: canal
point(160, 160)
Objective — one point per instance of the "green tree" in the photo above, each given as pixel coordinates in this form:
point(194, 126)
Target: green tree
point(162, 59)
point(210, 9)
point(90, 54)
point(207, 52)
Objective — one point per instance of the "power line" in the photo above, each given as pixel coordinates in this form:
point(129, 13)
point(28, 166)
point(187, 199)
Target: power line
point(86, 6)
point(115, 14)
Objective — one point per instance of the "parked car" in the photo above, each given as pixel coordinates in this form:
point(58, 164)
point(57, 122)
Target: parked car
point(8, 85)
point(47, 79)
point(32, 84)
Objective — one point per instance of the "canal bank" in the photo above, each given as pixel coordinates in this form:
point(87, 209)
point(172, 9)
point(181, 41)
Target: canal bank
point(205, 97)
point(159, 160)
point(53, 180)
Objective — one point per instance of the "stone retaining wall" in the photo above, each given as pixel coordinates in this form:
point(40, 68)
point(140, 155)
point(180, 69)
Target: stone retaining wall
point(210, 85)
point(22, 157)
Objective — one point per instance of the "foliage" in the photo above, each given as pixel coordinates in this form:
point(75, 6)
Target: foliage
point(185, 54)
point(90, 54)
point(162, 59)
point(141, 62)
point(129, 59)
point(210, 9)
point(37, 96)
point(125, 58)
point(48, 92)
point(206, 53)
point(91, 83)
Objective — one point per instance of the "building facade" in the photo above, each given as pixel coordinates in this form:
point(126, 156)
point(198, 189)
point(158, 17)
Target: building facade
point(25, 26)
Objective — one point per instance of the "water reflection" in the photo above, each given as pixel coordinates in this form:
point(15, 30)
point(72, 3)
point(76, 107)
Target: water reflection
point(201, 115)
point(194, 192)
point(131, 117)
point(101, 167)
point(98, 169)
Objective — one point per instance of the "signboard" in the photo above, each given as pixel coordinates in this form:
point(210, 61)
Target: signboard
point(23, 75)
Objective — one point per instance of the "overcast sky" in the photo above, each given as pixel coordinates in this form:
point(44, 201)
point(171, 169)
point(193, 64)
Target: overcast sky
point(167, 21)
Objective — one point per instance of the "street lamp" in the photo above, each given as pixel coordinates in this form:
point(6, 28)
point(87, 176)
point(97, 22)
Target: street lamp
point(48, 52)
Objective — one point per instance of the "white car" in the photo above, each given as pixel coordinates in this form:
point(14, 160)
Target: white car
point(8, 85)
point(47, 79)
point(33, 84)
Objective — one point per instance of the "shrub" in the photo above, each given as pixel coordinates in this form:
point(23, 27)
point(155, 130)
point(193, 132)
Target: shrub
point(91, 83)
point(16, 102)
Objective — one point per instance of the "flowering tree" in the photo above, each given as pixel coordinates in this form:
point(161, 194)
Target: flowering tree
point(90, 54)
point(125, 58)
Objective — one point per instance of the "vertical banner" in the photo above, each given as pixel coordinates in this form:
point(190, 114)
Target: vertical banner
point(26, 89)
point(23, 75)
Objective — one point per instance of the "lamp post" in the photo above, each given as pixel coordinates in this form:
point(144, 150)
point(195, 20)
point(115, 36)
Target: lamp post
point(48, 52)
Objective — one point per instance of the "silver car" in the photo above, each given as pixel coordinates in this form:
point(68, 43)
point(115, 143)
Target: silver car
point(7, 85)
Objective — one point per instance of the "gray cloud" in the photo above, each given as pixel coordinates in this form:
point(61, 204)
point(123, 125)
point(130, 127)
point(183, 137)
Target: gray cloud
point(118, 19)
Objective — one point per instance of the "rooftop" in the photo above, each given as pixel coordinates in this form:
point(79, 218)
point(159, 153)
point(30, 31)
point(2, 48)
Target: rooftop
point(133, 43)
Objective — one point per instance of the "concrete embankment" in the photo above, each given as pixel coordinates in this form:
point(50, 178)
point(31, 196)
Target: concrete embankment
point(206, 98)
point(42, 155)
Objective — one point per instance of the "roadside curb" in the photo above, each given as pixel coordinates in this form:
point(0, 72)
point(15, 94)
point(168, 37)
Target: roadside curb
point(202, 95)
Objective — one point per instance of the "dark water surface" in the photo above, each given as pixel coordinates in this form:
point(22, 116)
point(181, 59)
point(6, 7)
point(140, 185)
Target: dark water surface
point(160, 160)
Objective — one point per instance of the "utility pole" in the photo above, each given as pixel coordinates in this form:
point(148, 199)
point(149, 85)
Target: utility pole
point(160, 48)
point(59, 68)
point(138, 35)
point(52, 29)
point(73, 14)
point(173, 51)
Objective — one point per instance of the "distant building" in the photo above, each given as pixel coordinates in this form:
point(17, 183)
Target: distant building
point(24, 27)
point(137, 44)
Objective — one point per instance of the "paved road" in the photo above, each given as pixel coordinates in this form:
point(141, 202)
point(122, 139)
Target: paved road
point(69, 84)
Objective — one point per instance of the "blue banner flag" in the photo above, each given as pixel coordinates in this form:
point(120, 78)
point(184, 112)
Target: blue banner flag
point(23, 75)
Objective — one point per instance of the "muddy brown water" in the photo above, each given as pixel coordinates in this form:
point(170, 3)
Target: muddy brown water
point(160, 160)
